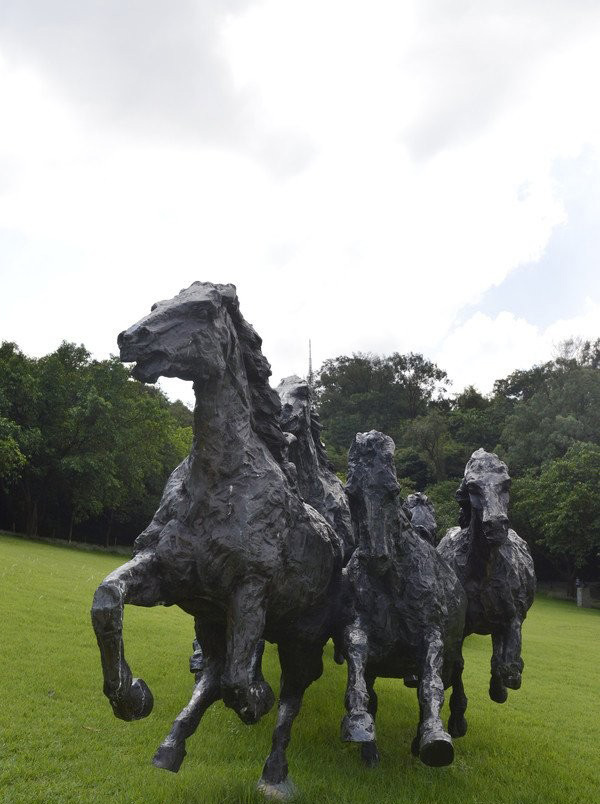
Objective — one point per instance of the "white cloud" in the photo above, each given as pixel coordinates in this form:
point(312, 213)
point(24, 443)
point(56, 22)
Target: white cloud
point(484, 349)
point(367, 175)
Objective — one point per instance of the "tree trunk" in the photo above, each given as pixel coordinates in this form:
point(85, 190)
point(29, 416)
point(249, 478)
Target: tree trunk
point(71, 528)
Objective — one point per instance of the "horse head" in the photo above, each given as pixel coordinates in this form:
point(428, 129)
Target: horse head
point(421, 514)
point(190, 336)
point(373, 493)
point(483, 496)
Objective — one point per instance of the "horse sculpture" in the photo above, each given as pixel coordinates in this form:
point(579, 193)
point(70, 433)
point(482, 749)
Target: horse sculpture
point(231, 543)
point(421, 513)
point(317, 482)
point(404, 607)
point(494, 566)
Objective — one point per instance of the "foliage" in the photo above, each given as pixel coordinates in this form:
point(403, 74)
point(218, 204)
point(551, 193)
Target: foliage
point(82, 442)
point(443, 497)
point(365, 392)
point(562, 505)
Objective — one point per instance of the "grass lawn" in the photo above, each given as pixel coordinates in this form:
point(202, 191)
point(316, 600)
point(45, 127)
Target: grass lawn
point(59, 741)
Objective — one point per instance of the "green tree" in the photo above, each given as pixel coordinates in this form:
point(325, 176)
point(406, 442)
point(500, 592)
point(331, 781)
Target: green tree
point(561, 505)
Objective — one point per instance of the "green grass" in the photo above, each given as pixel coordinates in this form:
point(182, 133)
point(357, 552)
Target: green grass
point(59, 741)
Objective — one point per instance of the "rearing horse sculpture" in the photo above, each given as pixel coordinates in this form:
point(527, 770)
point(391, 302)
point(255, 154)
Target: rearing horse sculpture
point(232, 543)
point(494, 566)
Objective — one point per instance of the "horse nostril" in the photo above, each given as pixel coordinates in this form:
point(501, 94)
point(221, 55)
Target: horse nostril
point(120, 339)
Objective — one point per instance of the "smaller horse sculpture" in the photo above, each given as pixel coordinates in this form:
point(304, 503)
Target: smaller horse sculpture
point(317, 482)
point(494, 566)
point(421, 513)
point(404, 610)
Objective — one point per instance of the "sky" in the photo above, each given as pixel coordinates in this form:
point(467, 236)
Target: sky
point(376, 177)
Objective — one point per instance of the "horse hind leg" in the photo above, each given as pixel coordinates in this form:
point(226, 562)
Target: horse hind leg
point(434, 743)
point(135, 582)
point(300, 666)
point(457, 723)
point(211, 647)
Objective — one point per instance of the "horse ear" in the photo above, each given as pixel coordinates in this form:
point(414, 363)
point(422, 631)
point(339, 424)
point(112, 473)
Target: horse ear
point(462, 497)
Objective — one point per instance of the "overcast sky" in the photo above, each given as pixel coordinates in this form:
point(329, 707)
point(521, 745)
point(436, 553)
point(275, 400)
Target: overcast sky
point(381, 176)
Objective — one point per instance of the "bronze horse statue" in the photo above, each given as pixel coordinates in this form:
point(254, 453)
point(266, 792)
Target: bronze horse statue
point(232, 543)
point(421, 514)
point(404, 610)
point(494, 566)
point(317, 482)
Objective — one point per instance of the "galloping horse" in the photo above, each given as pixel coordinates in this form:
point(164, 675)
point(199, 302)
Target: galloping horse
point(231, 543)
point(405, 610)
point(494, 566)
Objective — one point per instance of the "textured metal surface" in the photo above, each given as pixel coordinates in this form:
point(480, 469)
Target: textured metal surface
point(404, 610)
point(494, 566)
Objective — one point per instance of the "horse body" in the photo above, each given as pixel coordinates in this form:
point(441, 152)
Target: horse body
point(231, 543)
point(494, 566)
point(404, 609)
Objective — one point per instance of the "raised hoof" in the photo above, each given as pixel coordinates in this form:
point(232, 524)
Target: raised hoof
point(134, 705)
point(513, 682)
point(169, 756)
point(436, 749)
point(369, 754)
point(358, 728)
point(249, 703)
point(411, 681)
point(277, 791)
point(457, 727)
point(498, 691)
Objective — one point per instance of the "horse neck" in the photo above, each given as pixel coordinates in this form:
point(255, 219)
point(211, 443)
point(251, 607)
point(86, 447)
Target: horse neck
point(223, 433)
point(480, 552)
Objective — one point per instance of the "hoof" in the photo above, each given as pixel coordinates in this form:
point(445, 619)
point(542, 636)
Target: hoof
point(358, 728)
point(414, 746)
point(277, 791)
point(411, 681)
point(513, 682)
point(369, 754)
point(169, 756)
point(436, 749)
point(135, 704)
point(498, 691)
point(457, 727)
point(249, 703)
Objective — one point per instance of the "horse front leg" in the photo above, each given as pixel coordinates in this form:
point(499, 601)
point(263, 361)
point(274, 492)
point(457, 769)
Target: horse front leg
point(136, 582)
point(498, 691)
point(512, 664)
point(358, 725)
point(434, 743)
point(211, 647)
point(243, 686)
point(368, 751)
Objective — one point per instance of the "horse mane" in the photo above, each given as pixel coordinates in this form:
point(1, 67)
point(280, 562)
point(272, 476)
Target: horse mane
point(265, 402)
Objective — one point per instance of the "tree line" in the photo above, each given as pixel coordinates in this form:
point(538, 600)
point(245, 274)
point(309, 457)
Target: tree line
point(543, 421)
point(85, 450)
